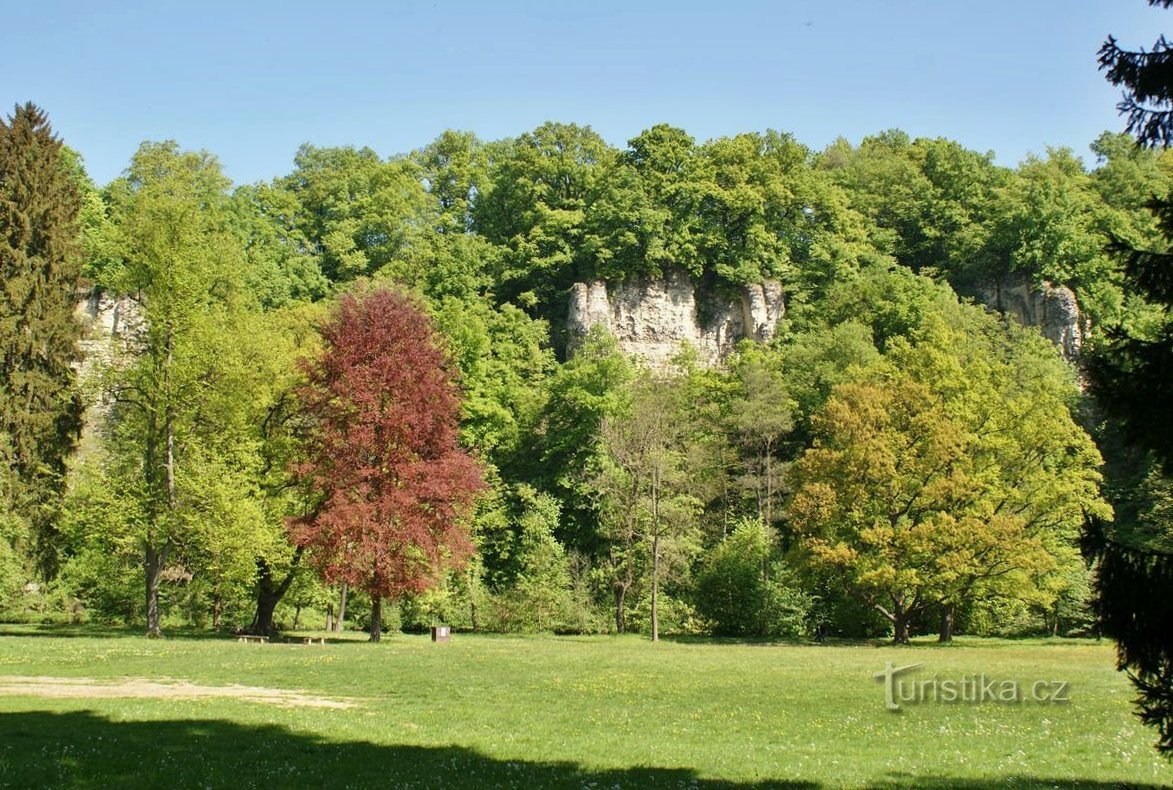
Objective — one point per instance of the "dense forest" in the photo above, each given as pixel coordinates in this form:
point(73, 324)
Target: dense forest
point(899, 458)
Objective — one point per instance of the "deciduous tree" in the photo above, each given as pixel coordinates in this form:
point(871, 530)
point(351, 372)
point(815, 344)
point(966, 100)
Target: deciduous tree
point(954, 469)
point(180, 441)
point(395, 488)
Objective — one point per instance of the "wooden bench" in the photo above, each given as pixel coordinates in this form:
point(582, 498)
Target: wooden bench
point(313, 640)
point(252, 638)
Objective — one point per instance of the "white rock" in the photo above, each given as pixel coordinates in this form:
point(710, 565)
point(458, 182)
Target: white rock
point(653, 319)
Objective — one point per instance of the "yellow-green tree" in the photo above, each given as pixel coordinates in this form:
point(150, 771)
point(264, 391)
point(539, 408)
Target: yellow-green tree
point(950, 470)
point(180, 446)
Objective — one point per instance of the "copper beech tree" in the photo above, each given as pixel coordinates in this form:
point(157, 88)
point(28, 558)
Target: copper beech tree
point(392, 487)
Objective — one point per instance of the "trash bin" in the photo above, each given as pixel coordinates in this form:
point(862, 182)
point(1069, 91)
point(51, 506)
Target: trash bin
point(441, 633)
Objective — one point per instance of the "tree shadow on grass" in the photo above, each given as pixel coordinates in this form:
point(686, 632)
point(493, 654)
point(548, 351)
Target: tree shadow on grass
point(83, 749)
point(94, 631)
point(87, 750)
point(907, 781)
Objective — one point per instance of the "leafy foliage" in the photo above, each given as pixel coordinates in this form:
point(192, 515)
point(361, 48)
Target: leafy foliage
point(745, 589)
point(952, 468)
point(382, 455)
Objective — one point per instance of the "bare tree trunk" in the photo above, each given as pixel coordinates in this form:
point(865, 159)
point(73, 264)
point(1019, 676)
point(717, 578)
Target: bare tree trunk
point(376, 618)
point(338, 624)
point(330, 617)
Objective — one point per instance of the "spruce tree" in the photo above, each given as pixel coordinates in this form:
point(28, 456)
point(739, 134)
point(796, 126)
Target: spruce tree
point(1131, 377)
point(40, 411)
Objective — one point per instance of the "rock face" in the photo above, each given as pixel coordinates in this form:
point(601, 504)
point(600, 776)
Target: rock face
point(651, 319)
point(112, 328)
point(1052, 308)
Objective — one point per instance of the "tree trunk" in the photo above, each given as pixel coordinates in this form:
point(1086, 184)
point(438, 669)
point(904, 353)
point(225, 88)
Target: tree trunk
point(376, 618)
point(217, 608)
point(330, 617)
point(296, 616)
point(769, 484)
point(900, 617)
point(620, 620)
point(269, 594)
point(655, 557)
point(655, 589)
point(472, 597)
point(153, 564)
point(156, 559)
point(262, 624)
point(900, 631)
point(341, 609)
point(945, 633)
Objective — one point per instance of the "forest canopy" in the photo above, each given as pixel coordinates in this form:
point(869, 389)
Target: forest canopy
point(753, 497)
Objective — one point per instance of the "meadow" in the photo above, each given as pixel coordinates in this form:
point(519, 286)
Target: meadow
point(86, 707)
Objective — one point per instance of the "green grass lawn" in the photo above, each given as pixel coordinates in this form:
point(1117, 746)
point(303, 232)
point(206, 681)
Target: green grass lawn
point(593, 712)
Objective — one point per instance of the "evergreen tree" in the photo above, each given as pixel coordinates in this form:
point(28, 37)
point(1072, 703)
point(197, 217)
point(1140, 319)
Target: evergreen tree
point(40, 411)
point(1131, 377)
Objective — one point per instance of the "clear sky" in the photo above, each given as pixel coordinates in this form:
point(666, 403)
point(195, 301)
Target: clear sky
point(250, 81)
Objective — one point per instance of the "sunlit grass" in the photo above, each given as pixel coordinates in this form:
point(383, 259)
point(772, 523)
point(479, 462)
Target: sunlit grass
point(568, 711)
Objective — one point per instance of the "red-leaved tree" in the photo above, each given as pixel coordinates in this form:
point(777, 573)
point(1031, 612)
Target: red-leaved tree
point(392, 486)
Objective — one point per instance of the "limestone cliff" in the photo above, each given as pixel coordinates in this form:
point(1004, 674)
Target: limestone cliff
point(112, 328)
point(652, 318)
point(1052, 308)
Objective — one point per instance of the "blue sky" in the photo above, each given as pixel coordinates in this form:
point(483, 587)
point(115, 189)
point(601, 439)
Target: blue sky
point(250, 81)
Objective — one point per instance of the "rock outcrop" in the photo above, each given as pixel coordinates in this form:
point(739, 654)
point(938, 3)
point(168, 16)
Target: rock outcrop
point(112, 328)
point(651, 319)
point(1052, 308)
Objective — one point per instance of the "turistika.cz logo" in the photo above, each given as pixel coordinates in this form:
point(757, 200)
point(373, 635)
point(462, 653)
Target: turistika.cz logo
point(966, 689)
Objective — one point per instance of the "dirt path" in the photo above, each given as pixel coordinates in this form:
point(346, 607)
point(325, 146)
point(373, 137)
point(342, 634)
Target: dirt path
point(138, 688)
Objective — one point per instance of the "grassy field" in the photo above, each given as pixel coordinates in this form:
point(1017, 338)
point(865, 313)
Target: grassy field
point(552, 712)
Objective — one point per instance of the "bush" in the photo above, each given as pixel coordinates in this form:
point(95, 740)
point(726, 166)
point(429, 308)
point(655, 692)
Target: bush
point(676, 616)
point(744, 589)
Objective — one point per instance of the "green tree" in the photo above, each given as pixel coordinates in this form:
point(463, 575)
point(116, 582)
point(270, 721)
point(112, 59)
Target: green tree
point(591, 386)
point(769, 214)
point(455, 166)
point(40, 258)
point(953, 470)
point(1131, 378)
point(534, 207)
point(646, 512)
point(282, 266)
point(930, 200)
point(1050, 224)
point(532, 588)
point(180, 405)
point(358, 213)
point(744, 588)
point(645, 218)
point(761, 414)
